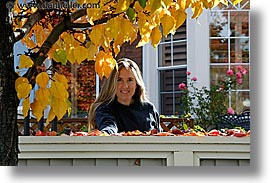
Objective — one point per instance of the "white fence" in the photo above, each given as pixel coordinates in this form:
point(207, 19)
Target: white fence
point(134, 151)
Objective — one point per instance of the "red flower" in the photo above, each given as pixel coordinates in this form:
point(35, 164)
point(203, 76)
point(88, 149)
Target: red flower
point(188, 73)
point(182, 86)
point(229, 72)
point(194, 78)
point(230, 110)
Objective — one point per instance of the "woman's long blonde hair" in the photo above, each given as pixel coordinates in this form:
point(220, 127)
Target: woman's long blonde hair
point(108, 90)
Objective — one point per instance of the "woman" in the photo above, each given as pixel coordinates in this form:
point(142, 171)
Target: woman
point(122, 104)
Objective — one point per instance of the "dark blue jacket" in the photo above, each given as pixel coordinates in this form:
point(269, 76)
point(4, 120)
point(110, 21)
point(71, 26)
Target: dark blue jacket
point(116, 117)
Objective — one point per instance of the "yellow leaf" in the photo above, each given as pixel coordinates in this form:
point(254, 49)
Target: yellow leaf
point(43, 96)
point(50, 117)
point(155, 36)
point(29, 42)
point(184, 4)
point(167, 2)
point(19, 81)
point(215, 3)
point(94, 14)
point(168, 24)
point(70, 54)
point(62, 79)
point(59, 107)
point(104, 64)
point(68, 38)
point(180, 17)
point(26, 106)
point(122, 5)
point(80, 53)
point(96, 35)
point(236, 2)
point(42, 79)
point(92, 50)
point(25, 62)
point(58, 90)
point(23, 90)
point(197, 9)
point(154, 5)
point(37, 109)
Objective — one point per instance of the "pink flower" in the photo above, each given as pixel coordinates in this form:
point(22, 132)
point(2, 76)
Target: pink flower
point(240, 81)
point(230, 110)
point(182, 86)
point(239, 75)
point(243, 71)
point(230, 72)
point(188, 72)
point(220, 89)
point(239, 68)
point(194, 78)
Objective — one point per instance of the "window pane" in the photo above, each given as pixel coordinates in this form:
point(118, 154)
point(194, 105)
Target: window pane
point(219, 51)
point(239, 50)
point(219, 24)
point(239, 24)
point(180, 53)
point(164, 51)
point(217, 72)
point(170, 103)
point(240, 101)
point(181, 33)
point(170, 79)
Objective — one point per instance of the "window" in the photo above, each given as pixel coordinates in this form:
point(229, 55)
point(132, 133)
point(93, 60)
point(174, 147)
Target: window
point(172, 65)
point(230, 47)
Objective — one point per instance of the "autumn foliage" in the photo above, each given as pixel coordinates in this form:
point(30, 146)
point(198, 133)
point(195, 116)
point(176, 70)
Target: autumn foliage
point(94, 34)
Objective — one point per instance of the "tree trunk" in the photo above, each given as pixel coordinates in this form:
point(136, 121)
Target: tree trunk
point(8, 99)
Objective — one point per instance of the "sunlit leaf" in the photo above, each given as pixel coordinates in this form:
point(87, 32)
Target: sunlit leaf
point(122, 5)
point(59, 107)
point(50, 117)
point(80, 53)
point(92, 50)
point(19, 81)
point(168, 24)
point(180, 18)
point(25, 62)
point(155, 36)
point(96, 35)
point(60, 56)
point(70, 54)
point(154, 5)
point(42, 79)
point(43, 96)
point(58, 90)
point(104, 64)
point(62, 79)
point(197, 9)
point(26, 106)
point(23, 90)
point(68, 38)
point(37, 109)
point(236, 1)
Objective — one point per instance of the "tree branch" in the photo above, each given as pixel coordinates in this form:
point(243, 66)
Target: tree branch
point(22, 32)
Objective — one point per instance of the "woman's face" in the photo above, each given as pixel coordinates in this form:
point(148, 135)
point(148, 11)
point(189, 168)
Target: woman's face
point(126, 86)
